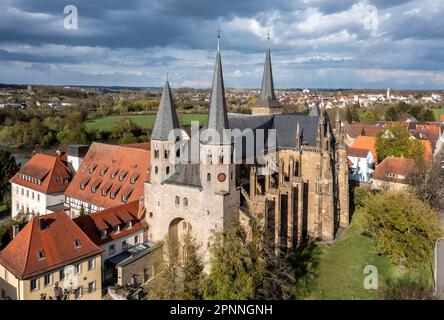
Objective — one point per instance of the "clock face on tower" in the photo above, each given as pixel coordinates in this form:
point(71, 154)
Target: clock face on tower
point(221, 177)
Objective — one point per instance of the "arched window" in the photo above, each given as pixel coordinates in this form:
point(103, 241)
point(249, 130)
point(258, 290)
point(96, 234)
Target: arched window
point(184, 225)
point(156, 170)
point(177, 200)
point(167, 170)
point(185, 202)
point(166, 153)
point(156, 153)
point(208, 176)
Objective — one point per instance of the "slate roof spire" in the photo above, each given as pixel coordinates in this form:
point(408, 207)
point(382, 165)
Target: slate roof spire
point(267, 97)
point(217, 116)
point(166, 119)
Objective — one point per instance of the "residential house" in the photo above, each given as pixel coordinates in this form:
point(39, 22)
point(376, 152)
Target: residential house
point(108, 176)
point(51, 258)
point(361, 164)
point(115, 230)
point(394, 173)
point(38, 187)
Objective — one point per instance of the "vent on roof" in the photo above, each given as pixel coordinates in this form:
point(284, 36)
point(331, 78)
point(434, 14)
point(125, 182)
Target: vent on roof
point(77, 243)
point(42, 255)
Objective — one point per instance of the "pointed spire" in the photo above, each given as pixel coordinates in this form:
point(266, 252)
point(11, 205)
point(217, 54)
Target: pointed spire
point(217, 116)
point(267, 97)
point(166, 119)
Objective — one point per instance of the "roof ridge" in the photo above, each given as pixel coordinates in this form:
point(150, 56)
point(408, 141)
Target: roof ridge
point(28, 246)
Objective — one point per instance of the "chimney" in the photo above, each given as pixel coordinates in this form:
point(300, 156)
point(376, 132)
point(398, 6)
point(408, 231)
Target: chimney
point(42, 223)
point(15, 230)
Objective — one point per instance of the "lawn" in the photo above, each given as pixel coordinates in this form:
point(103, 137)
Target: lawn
point(143, 121)
point(438, 112)
point(336, 271)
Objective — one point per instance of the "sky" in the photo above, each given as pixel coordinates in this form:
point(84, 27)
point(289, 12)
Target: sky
point(314, 43)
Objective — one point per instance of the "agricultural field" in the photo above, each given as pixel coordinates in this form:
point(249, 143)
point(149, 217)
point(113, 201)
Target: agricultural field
point(143, 121)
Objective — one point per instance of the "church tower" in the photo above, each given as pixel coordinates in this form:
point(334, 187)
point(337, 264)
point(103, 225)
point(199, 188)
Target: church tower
point(217, 169)
point(161, 146)
point(267, 102)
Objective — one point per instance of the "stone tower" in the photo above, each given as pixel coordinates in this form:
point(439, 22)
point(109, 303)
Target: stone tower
point(267, 102)
point(161, 145)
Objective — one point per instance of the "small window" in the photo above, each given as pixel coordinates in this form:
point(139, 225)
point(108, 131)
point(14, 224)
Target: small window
point(177, 200)
point(57, 179)
point(156, 170)
point(78, 268)
point(136, 239)
point(104, 192)
point(124, 198)
point(38, 197)
point(103, 233)
point(151, 214)
point(47, 280)
point(185, 202)
point(78, 293)
point(93, 189)
point(27, 193)
point(91, 287)
point(116, 229)
point(42, 255)
point(167, 170)
point(82, 186)
point(184, 225)
point(156, 154)
point(129, 224)
point(208, 176)
point(62, 275)
point(33, 284)
point(112, 195)
point(91, 264)
point(124, 245)
point(112, 249)
point(77, 243)
point(32, 195)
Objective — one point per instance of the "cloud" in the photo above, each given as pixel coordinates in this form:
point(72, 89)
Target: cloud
point(315, 43)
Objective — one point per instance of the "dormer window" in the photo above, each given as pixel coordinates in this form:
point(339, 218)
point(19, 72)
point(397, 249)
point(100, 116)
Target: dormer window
point(93, 189)
point(116, 229)
point(42, 255)
point(77, 243)
point(124, 198)
point(112, 195)
point(57, 179)
point(82, 186)
point(122, 175)
point(103, 233)
point(129, 224)
point(65, 181)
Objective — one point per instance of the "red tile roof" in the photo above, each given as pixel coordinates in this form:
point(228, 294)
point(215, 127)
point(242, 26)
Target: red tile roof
point(356, 129)
point(365, 142)
point(120, 161)
point(50, 170)
point(92, 224)
point(391, 168)
point(57, 241)
point(358, 153)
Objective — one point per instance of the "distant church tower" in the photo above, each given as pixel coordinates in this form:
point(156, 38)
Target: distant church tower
point(267, 102)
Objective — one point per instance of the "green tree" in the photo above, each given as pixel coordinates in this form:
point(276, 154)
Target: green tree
point(368, 117)
point(192, 269)
point(404, 227)
point(8, 168)
point(245, 266)
point(392, 141)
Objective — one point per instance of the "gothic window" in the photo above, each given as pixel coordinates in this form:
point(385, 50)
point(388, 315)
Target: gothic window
point(156, 170)
point(208, 176)
point(185, 202)
point(221, 159)
point(177, 200)
point(296, 168)
point(166, 154)
point(156, 154)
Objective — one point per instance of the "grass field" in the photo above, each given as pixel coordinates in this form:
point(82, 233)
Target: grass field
point(336, 271)
point(438, 112)
point(143, 121)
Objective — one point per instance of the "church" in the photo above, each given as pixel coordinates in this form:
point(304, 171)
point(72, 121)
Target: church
point(299, 192)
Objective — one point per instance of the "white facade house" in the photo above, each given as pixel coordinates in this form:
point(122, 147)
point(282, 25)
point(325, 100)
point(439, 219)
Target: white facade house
point(39, 185)
point(361, 164)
